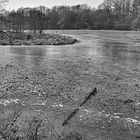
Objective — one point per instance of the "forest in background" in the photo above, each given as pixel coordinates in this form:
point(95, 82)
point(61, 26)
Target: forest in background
point(110, 15)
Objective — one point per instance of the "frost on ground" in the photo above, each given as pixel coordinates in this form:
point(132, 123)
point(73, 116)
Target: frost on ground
point(7, 102)
point(55, 89)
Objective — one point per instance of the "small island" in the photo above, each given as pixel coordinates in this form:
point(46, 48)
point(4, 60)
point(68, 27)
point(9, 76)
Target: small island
point(36, 39)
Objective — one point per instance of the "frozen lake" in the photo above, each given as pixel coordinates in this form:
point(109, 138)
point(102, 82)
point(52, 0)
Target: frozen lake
point(114, 46)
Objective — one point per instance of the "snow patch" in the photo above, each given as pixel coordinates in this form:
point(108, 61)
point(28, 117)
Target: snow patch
point(57, 105)
point(7, 102)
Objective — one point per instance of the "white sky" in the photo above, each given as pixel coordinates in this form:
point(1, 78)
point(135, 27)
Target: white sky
point(15, 4)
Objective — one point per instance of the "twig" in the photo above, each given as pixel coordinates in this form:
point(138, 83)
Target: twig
point(93, 93)
point(50, 123)
point(36, 131)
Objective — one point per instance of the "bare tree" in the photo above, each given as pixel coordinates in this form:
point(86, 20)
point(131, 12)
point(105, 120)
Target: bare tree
point(2, 3)
point(3, 20)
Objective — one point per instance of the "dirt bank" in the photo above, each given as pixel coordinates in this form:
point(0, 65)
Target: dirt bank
point(36, 39)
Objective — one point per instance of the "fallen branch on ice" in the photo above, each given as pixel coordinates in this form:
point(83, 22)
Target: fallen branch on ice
point(93, 93)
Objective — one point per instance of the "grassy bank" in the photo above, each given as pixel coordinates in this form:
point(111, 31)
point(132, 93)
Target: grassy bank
point(36, 39)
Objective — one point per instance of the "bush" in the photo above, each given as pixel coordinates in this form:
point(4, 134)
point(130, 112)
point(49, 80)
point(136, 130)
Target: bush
point(122, 26)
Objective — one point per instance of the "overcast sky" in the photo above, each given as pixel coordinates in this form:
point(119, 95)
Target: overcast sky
point(15, 4)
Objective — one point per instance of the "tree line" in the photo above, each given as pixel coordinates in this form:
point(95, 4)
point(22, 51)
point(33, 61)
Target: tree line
point(111, 14)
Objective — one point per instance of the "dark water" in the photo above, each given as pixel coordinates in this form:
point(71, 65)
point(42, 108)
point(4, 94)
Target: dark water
point(112, 46)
